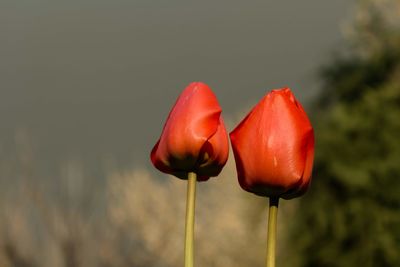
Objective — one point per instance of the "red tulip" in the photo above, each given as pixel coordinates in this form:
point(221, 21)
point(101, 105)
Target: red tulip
point(274, 147)
point(194, 138)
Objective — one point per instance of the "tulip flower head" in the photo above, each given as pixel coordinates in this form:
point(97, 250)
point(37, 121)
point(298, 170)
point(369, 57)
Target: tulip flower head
point(274, 147)
point(194, 138)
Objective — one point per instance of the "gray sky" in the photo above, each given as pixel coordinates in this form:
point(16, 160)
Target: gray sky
point(93, 80)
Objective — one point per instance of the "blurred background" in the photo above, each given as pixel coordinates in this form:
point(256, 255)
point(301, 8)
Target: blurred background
point(85, 87)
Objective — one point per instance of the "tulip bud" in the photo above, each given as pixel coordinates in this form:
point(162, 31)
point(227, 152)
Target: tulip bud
point(274, 147)
point(194, 138)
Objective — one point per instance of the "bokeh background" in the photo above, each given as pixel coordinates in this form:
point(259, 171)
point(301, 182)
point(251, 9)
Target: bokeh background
point(85, 87)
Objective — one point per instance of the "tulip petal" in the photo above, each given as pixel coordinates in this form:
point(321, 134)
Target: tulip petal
point(302, 187)
point(216, 156)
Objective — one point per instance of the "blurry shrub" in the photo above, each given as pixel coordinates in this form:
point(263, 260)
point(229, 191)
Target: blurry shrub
point(134, 220)
point(351, 216)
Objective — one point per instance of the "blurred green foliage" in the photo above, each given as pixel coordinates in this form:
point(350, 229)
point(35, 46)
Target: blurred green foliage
point(351, 214)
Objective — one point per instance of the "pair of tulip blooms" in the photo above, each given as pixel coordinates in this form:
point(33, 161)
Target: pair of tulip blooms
point(273, 145)
point(273, 148)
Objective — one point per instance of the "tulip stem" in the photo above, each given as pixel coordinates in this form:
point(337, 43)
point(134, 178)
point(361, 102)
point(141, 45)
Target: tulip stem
point(271, 239)
point(189, 227)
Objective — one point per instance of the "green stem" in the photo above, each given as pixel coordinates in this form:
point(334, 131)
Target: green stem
point(189, 227)
point(271, 239)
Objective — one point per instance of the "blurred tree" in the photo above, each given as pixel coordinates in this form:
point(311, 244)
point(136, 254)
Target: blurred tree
point(351, 215)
